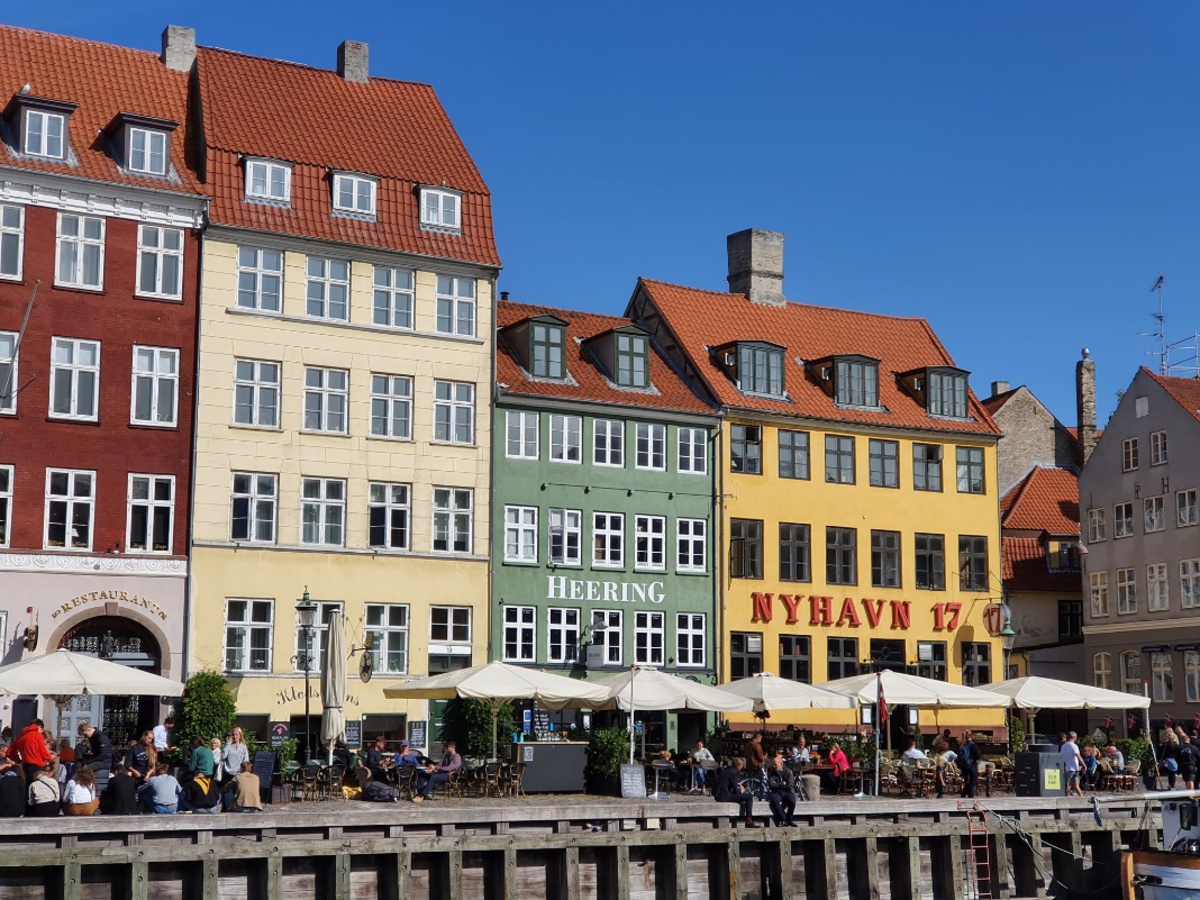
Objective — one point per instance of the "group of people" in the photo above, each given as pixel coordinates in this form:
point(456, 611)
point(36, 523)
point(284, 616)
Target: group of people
point(377, 764)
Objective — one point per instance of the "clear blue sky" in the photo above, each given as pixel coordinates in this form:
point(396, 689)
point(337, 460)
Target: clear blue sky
point(1017, 173)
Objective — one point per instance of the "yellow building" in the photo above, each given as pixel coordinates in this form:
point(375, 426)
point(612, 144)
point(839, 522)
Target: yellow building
point(858, 493)
point(343, 429)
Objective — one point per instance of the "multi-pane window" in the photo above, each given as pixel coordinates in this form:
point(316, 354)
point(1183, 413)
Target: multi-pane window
point(746, 548)
point(456, 305)
point(841, 552)
point(260, 279)
point(70, 509)
point(354, 194)
point(256, 393)
point(452, 509)
point(388, 512)
point(253, 512)
point(795, 552)
point(793, 454)
point(1191, 672)
point(150, 516)
point(795, 658)
point(394, 296)
point(689, 639)
point(608, 540)
point(440, 209)
point(760, 370)
point(454, 412)
point(885, 463)
point(1129, 454)
point(387, 628)
point(745, 654)
point(314, 656)
point(651, 447)
point(927, 467)
point(931, 660)
point(1189, 583)
point(1158, 448)
point(885, 559)
point(80, 251)
point(1102, 670)
point(931, 562)
point(1122, 520)
point(1097, 530)
point(520, 434)
point(74, 379)
point(249, 627)
point(8, 371)
point(1154, 513)
point(972, 562)
point(841, 660)
point(325, 399)
point(520, 633)
point(693, 451)
point(1126, 592)
point(323, 511)
point(546, 359)
point(691, 545)
point(563, 635)
point(266, 180)
point(391, 406)
point(1162, 678)
point(632, 368)
point(649, 638)
point(608, 442)
point(857, 382)
point(745, 449)
point(1185, 503)
point(155, 392)
point(147, 151)
point(566, 438)
point(969, 463)
point(947, 394)
point(1158, 587)
point(839, 459)
point(1099, 593)
point(12, 240)
point(44, 134)
point(6, 499)
point(160, 262)
point(520, 534)
point(327, 295)
point(450, 630)
point(977, 663)
point(607, 632)
point(1070, 621)
point(650, 543)
point(566, 536)
point(1131, 671)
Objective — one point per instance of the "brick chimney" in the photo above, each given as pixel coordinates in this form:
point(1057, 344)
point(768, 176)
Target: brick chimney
point(353, 60)
point(756, 265)
point(178, 48)
point(1085, 405)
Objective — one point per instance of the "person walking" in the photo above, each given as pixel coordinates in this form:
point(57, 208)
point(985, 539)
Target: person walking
point(29, 749)
point(728, 789)
point(968, 764)
point(439, 774)
point(1072, 764)
point(236, 752)
point(1189, 762)
point(781, 784)
point(79, 797)
point(1170, 757)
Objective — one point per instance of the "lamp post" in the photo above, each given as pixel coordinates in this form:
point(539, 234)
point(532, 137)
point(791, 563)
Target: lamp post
point(306, 614)
point(1008, 638)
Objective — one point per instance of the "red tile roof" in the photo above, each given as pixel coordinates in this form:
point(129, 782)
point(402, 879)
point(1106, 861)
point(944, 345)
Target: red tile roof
point(590, 384)
point(104, 80)
point(1185, 391)
point(701, 319)
point(1024, 568)
point(991, 404)
point(1046, 500)
point(316, 120)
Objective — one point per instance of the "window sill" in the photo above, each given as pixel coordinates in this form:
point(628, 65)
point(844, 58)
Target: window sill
point(329, 434)
point(19, 278)
point(87, 549)
point(692, 572)
point(151, 426)
point(641, 571)
point(442, 443)
point(601, 465)
point(80, 288)
point(522, 458)
point(390, 439)
point(638, 468)
point(526, 563)
point(161, 298)
point(73, 420)
point(243, 426)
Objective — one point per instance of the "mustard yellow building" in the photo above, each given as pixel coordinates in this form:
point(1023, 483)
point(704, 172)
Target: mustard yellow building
point(858, 493)
point(343, 429)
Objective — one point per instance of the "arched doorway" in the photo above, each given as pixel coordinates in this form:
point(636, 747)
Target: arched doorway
point(128, 643)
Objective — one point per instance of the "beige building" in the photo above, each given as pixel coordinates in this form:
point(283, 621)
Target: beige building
point(342, 431)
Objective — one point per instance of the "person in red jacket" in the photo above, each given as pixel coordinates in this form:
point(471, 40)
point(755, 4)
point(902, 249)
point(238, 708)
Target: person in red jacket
point(30, 749)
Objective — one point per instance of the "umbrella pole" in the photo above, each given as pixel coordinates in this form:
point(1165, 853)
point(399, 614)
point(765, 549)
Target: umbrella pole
point(495, 719)
point(632, 710)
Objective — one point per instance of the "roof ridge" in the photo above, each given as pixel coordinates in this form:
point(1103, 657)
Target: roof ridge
point(563, 309)
point(308, 66)
point(80, 40)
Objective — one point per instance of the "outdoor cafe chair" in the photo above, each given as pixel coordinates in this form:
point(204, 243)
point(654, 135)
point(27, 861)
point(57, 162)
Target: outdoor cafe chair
point(332, 779)
point(490, 779)
point(405, 778)
point(516, 780)
point(309, 780)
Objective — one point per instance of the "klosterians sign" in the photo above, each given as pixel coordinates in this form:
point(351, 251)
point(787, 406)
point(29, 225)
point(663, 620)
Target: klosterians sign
point(895, 614)
point(559, 587)
point(104, 596)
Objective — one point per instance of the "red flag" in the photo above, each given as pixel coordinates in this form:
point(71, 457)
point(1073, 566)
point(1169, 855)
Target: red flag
point(1108, 723)
point(1168, 721)
point(1131, 721)
point(882, 700)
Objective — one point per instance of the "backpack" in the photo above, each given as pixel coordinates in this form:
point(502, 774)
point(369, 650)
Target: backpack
point(378, 792)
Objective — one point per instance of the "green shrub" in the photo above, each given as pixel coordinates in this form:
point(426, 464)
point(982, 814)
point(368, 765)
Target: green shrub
point(206, 711)
point(607, 749)
point(1016, 732)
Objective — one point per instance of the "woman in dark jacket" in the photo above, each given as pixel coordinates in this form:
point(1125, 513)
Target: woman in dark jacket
point(12, 790)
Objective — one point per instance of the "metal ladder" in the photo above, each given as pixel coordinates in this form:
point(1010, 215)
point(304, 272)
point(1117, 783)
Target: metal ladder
point(979, 860)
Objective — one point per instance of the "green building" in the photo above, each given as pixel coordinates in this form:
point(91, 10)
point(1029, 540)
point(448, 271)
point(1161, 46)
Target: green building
point(603, 506)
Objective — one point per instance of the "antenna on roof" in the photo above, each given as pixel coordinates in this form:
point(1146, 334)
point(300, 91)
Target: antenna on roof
point(1166, 366)
point(1158, 334)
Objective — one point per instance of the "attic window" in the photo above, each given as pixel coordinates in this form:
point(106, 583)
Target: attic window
point(857, 381)
point(631, 368)
point(354, 193)
point(440, 209)
point(760, 369)
point(546, 350)
point(267, 180)
point(45, 134)
point(147, 151)
point(946, 394)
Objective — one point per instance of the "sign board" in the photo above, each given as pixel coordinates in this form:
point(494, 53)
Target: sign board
point(264, 768)
point(278, 732)
point(633, 782)
point(527, 753)
point(354, 732)
point(527, 721)
point(541, 720)
point(1051, 779)
point(418, 733)
point(595, 656)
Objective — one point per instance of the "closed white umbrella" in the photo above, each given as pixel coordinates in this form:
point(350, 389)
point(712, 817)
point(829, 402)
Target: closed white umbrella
point(912, 690)
point(1035, 692)
point(333, 686)
point(770, 693)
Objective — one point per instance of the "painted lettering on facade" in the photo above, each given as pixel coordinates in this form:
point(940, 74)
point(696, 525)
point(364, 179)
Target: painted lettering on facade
point(559, 587)
point(104, 596)
point(296, 692)
point(821, 611)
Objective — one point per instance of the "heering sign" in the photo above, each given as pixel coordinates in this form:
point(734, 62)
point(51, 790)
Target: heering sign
point(897, 614)
point(559, 587)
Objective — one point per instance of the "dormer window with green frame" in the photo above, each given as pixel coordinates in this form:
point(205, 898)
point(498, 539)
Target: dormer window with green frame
point(632, 367)
point(856, 381)
point(547, 341)
point(946, 393)
point(760, 368)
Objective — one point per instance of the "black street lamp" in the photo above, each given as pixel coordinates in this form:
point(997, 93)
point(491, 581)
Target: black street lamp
point(306, 614)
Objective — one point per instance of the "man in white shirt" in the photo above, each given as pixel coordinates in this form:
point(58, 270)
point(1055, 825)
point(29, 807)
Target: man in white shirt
point(800, 753)
point(1072, 764)
point(700, 756)
point(913, 752)
point(162, 737)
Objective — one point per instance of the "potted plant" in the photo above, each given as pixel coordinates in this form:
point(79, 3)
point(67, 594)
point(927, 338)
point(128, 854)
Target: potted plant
point(607, 749)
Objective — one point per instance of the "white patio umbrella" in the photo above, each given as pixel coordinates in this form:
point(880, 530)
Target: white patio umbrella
point(912, 690)
point(769, 693)
point(496, 683)
point(333, 685)
point(1035, 692)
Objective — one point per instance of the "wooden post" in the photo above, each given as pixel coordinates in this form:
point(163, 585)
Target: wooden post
point(403, 875)
point(510, 874)
point(210, 885)
point(622, 881)
point(571, 873)
point(821, 869)
point(72, 878)
point(732, 874)
point(1026, 859)
point(862, 869)
point(274, 877)
point(454, 869)
point(785, 867)
point(1067, 859)
point(139, 881)
point(680, 873)
point(341, 876)
point(904, 863)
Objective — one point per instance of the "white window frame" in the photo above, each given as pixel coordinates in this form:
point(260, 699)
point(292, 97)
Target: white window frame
point(1131, 685)
point(1186, 511)
point(562, 635)
point(691, 640)
point(1154, 513)
point(1158, 587)
point(393, 305)
point(693, 451)
point(1191, 675)
point(1122, 525)
point(449, 515)
point(321, 396)
point(155, 245)
point(149, 138)
point(71, 499)
point(381, 635)
point(391, 500)
point(266, 171)
point(325, 288)
point(7, 474)
point(441, 209)
point(9, 359)
point(611, 636)
point(451, 645)
point(44, 138)
point(1130, 456)
point(631, 361)
point(254, 496)
point(1158, 448)
point(566, 439)
point(391, 406)
point(158, 382)
point(247, 626)
point(521, 434)
point(10, 234)
point(1098, 587)
point(261, 272)
point(456, 308)
point(520, 534)
point(520, 622)
point(362, 193)
point(318, 634)
point(1097, 525)
point(152, 504)
point(567, 524)
point(1126, 591)
point(1189, 583)
point(329, 507)
point(73, 370)
point(1102, 670)
point(649, 637)
point(79, 244)
point(450, 400)
point(608, 540)
point(654, 438)
point(252, 380)
point(608, 443)
point(1162, 677)
point(690, 535)
point(650, 543)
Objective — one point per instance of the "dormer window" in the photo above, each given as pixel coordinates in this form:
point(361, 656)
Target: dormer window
point(440, 209)
point(354, 194)
point(760, 369)
point(632, 369)
point(546, 343)
point(45, 134)
point(946, 393)
point(857, 381)
point(147, 151)
point(267, 180)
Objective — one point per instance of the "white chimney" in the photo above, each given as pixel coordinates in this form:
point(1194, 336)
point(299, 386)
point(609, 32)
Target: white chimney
point(352, 61)
point(178, 48)
point(756, 265)
point(1000, 387)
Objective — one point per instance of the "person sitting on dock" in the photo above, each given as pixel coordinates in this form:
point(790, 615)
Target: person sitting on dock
point(729, 789)
point(120, 796)
point(782, 786)
point(160, 793)
point(439, 774)
point(244, 791)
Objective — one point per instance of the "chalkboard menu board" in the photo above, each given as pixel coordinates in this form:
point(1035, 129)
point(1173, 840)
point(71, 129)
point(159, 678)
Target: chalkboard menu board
point(264, 768)
point(418, 733)
point(354, 732)
point(541, 721)
point(278, 732)
point(633, 782)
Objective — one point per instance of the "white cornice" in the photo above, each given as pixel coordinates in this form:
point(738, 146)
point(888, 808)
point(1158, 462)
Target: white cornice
point(1121, 627)
point(110, 563)
point(87, 197)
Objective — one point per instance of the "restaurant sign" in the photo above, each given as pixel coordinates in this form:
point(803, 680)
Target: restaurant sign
point(821, 610)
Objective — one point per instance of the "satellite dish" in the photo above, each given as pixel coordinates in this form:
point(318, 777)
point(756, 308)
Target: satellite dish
point(366, 668)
